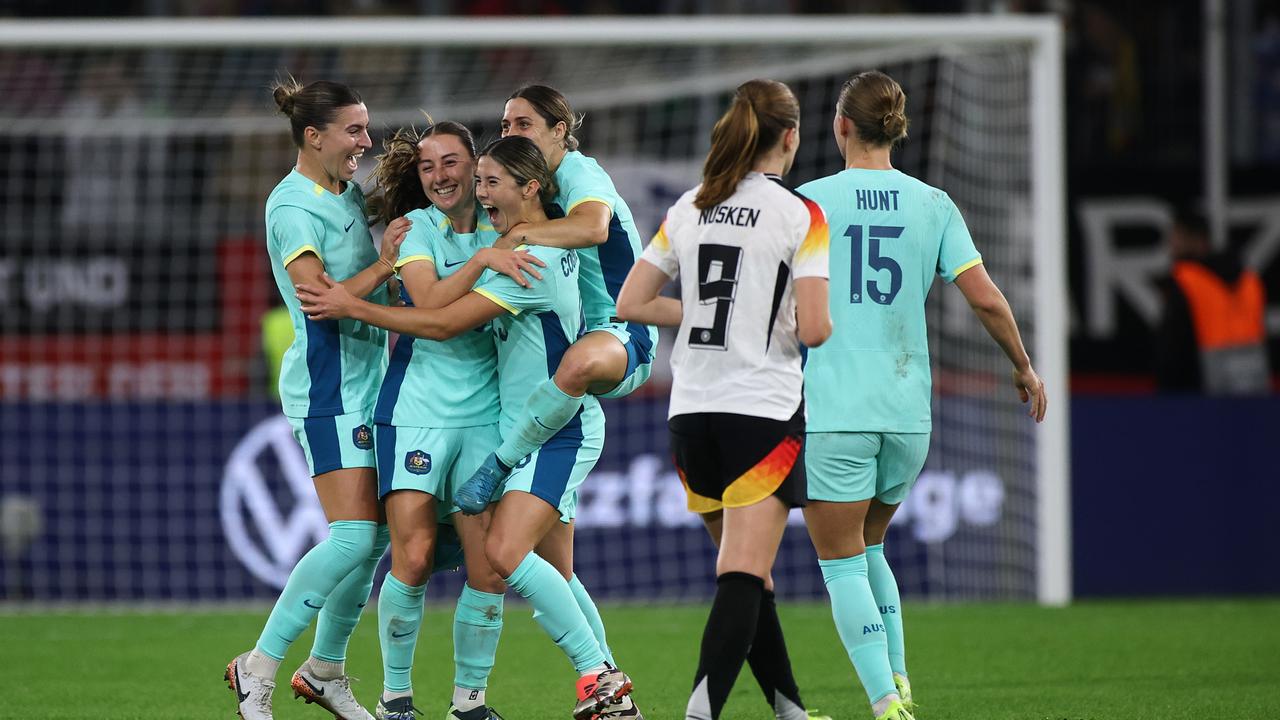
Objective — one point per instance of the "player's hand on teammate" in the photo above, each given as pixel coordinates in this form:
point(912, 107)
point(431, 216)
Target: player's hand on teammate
point(392, 237)
point(328, 301)
point(512, 238)
point(1031, 389)
point(515, 264)
point(393, 292)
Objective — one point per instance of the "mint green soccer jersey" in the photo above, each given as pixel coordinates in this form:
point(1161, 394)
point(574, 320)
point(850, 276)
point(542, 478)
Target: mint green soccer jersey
point(333, 366)
point(580, 179)
point(441, 384)
point(540, 324)
point(890, 235)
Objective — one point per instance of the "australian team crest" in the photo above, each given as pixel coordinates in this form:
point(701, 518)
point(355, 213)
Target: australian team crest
point(417, 462)
point(363, 437)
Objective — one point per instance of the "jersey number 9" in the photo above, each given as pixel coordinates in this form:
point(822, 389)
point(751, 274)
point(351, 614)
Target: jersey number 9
point(717, 283)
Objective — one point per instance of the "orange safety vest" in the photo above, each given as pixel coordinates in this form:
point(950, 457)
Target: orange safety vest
point(1229, 328)
point(1223, 315)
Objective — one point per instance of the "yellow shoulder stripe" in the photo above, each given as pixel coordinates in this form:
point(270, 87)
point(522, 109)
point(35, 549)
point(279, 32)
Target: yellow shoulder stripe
point(304, 249)
point(602, 201)
point(499, 301)
point(414, 258)
point(974, 262)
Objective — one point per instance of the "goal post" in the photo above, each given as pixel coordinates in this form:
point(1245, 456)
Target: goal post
point(137, 157)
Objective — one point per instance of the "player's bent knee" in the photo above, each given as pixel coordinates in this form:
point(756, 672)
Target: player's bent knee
point(504, 556)
point(577, 371)
point(412, 565)
point(583, 367)
point(487, 581)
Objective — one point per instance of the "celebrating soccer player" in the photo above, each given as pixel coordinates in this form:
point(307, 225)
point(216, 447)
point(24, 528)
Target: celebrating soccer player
point(614, 357)
point(316, 223)
point(533, 327)
point(437, 413)
point(868, 388)
point(752, 260)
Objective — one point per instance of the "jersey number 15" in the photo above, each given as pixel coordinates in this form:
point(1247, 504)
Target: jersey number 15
point(877, 262)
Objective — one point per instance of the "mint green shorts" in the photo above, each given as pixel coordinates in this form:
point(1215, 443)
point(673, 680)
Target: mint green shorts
point(555, 471)
point(336, 442)
point(854, 466)
point(641, 349)
point(432, 460)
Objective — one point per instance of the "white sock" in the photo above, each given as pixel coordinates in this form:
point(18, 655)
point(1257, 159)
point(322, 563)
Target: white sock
point(261, 664)
point(878, 707)
point(467, 698)
point(596, 670)
point(395, 694)
point(325, 670)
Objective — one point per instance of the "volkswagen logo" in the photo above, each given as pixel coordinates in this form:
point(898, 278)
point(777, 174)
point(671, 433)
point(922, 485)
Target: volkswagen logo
point(266, 536)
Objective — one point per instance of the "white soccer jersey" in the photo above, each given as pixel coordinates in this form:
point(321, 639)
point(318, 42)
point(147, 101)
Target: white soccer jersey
point(737, 350)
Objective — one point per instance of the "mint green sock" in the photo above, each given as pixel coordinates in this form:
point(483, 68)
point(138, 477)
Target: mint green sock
point(546, 411)
point(399, 619)
point(592, 613)
point(858, 622)
point(556, 611)
point(312, 582)
point(477, 626)
point(885, 588)
point(346, 603)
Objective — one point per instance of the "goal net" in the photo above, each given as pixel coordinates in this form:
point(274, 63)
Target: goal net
point(144, 457)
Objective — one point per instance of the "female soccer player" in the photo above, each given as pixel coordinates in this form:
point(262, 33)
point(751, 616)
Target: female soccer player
point(868, 389)
point(533, 327)
point(752, 260)
point(614, 357)
point(316, 224)
point(437, 413)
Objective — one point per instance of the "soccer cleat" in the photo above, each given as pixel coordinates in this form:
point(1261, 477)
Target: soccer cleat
point(332, 695)
point(474, 495)
point(253, 692)
point(484, 712)
point(815, 715)
point(597, 692)
point(904, 692)
point(400, 708)
point(896, 711)
point(624, 709)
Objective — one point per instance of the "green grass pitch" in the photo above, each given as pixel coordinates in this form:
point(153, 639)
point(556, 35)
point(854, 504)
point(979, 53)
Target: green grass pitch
point(1163, 660)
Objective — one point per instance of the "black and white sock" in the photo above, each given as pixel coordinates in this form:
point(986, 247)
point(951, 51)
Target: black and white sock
point(772, 666)
point(730, 630)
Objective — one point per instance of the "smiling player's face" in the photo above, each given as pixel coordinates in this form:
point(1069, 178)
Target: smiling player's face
point(343, 141)
point(447, 172)
point(519, 118)
point(499, 193)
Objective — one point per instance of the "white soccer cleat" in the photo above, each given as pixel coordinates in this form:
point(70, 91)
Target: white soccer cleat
point(400, 708)
point(253, 692)
point(332, 695)
point(624, 709)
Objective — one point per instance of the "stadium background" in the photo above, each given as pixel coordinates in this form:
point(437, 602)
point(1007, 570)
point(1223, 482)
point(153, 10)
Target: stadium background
point(140, 451)
point(130, 338)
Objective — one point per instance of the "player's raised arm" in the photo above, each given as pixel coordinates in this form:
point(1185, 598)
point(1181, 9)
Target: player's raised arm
point(308, 267)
